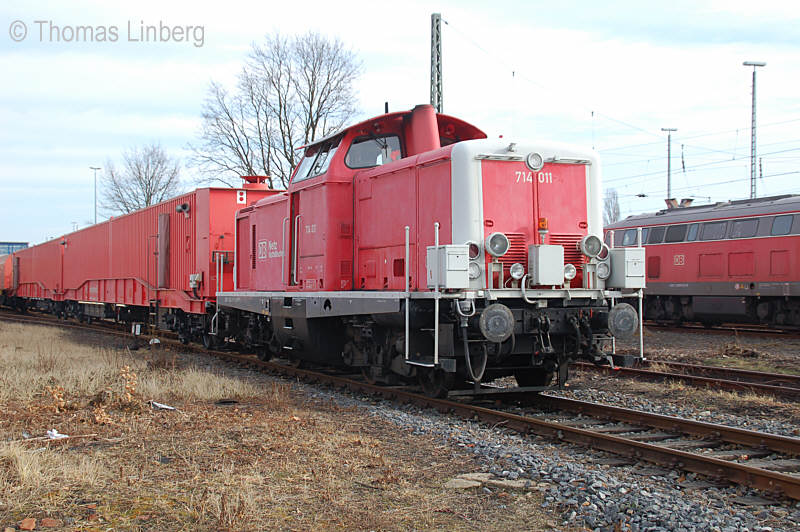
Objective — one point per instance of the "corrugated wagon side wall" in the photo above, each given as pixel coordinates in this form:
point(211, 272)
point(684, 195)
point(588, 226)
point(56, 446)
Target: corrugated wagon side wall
point(40, 270)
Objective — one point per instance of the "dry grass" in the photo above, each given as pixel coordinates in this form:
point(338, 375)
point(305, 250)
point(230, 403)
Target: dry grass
point(31, 362)
point(271, 461)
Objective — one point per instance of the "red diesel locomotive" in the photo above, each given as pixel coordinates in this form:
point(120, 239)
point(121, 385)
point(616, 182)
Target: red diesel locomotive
point(413, 247)
point(734, 261)
point(408, 246)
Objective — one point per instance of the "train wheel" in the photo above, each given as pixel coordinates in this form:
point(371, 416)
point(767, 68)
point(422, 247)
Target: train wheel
point(366, 372)
point(264, 354)
point(533, 377)
point(209, 341)
point(435, 382)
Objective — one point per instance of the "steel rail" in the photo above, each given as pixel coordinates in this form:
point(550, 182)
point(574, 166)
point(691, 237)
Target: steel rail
point(743, 329)
point(760, 377)
point(788, 392)
point(763, 479)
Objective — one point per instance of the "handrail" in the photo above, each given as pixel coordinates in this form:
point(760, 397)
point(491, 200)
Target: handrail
point(408, 288)
point(283, 250)
point(295, 253)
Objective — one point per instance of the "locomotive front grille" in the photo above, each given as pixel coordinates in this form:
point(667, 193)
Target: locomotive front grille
point(517, 252)
point(572, 254)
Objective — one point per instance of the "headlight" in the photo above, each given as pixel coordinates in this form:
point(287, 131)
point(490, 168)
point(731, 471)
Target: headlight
point(570, 272)
point(474, 250)
point(517, 270)
point(474, 270)
point(603, 270)
point(590, 246)
point(534, 161)
point(497, 244)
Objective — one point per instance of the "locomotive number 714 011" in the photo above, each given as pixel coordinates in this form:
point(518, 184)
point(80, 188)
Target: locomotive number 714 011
point(527, 177)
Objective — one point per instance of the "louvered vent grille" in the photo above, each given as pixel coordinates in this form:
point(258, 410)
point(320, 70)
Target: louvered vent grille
point(572, 254)
point(517, 252)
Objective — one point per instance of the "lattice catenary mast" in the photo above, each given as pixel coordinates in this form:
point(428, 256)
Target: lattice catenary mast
point(436, 62)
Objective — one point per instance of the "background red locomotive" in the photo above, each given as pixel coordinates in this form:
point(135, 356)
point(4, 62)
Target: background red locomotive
point(411, 246)
point(408, 246)
point(734, 261)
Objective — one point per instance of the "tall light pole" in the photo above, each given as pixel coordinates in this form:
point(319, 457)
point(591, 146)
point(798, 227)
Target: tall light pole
point(669, 131)
point(95, 168)
point(754, 64)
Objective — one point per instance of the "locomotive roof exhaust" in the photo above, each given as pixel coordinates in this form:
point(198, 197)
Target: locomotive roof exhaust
point(422, 133)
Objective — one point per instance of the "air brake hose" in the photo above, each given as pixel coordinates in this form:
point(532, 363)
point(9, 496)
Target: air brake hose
point(475, 378)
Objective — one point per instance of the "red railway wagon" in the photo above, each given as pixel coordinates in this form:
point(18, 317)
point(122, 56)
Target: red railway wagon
point(167, 260)
point(730, 261)
point(412, 246)
point(6, 276)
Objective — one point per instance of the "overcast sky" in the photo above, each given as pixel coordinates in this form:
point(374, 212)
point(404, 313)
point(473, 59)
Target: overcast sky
point(607, 75)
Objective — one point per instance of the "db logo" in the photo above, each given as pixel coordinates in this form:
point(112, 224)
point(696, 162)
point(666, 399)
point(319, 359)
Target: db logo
point(679, 260)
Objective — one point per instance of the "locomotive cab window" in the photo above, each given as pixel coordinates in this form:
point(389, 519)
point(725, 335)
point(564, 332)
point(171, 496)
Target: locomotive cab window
point(316, 161)
point(366, 152)
point(714, 230)
point(692, 234)
point(656, 235)
point(782, 225)
point(609, 235)
point(744, 228)
point(676, 233)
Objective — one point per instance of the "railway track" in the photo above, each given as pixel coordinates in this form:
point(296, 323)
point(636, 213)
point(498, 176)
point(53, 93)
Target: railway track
point(712, 377)
point(753, 330)
point(764, 461)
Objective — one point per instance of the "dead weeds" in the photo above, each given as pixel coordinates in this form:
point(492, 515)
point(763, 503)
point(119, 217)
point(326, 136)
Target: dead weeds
point(268, 460)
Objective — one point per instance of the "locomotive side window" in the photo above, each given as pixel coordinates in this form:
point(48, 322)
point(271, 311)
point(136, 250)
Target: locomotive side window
point(619, 237)
point(765, 225)
point(796, 225)
point(366, 152)
point(782, 225)
point(324, 159)
point(656, 235)
point(714, 230)
point(645, 232)
point(692, 235)
point(744, 228)
point(630, 238)
point(316, 163)
point(676, 233)
point(305, 164)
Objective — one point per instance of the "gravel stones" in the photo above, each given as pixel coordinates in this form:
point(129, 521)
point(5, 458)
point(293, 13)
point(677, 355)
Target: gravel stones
point(578, 489)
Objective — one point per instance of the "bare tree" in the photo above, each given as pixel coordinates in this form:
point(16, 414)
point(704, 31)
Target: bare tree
point(610, 207)
point(291, 91)
point(148, 176)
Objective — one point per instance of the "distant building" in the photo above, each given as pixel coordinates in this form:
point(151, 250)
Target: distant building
point(6, 248)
